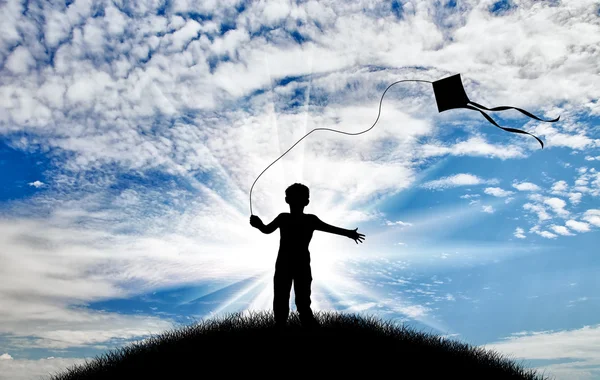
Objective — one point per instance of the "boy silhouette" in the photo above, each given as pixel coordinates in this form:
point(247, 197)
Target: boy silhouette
point(293, 259)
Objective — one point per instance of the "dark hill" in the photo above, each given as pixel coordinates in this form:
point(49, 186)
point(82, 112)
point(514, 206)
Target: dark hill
point(344, 346)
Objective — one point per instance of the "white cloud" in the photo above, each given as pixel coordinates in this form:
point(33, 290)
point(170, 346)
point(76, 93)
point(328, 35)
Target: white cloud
point(397, 223)
point(546, 234)
point(553, 138)
point(144, 89)
point(118, 21)
point(463, 179)
point(474, 146)
point(539, 210)
point(184, 35)
point(592, 216)
point(413, 311)
point(557, 205)
point(526, 186)
point(488, 209)
point(575, 198)
point(535, 197)
point(273, 12)
point(360, 307)
point(588, 182)
point(47, 267)
point(578, 226)
point(56, 28)
point(559, 187)
point(36, 184)
point(6, 356)
point(20, 61)
point(469, 196)
point(498, 192)
point(26, 369)
point(561, 230)
point(519, 233)
point(578, 348)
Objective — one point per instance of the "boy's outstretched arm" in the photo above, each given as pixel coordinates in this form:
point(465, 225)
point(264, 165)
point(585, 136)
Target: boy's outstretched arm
point(352, 234)
point(256, 222)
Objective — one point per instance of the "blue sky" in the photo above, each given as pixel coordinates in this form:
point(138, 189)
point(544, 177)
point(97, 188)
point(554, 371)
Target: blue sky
point(131, 132)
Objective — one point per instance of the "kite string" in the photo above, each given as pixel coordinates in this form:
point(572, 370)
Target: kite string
point(333, 130)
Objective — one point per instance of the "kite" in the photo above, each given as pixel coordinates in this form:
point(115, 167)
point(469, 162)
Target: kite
point(449, 94)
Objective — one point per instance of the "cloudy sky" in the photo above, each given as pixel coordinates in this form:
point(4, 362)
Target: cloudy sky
point(131, 132)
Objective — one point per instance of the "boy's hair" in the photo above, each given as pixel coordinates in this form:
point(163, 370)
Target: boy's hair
point(297, 191)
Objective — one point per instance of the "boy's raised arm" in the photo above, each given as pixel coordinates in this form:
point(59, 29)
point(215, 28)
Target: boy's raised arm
point(352, 234)
point(256, 222)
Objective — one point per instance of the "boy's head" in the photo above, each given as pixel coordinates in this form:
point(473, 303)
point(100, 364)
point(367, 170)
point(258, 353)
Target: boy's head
point(297, 195)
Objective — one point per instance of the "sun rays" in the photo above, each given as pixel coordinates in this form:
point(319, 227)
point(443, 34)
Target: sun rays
point(334, 287)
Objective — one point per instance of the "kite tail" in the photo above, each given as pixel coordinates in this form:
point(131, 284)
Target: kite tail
point(504, 108)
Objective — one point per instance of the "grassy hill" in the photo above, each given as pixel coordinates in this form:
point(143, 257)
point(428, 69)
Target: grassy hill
point(343, 346)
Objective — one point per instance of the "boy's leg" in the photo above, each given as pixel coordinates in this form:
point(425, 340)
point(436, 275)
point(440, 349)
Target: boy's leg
point(281, 301)
point(302, 283)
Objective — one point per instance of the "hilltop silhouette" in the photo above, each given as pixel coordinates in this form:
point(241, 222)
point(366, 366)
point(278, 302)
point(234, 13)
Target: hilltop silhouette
point(345, 345)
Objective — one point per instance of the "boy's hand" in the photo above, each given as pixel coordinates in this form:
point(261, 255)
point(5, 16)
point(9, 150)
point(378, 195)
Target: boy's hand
point(256, 222)
point(356, 236)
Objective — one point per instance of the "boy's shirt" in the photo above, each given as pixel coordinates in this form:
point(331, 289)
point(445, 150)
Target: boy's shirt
point(296, 232)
